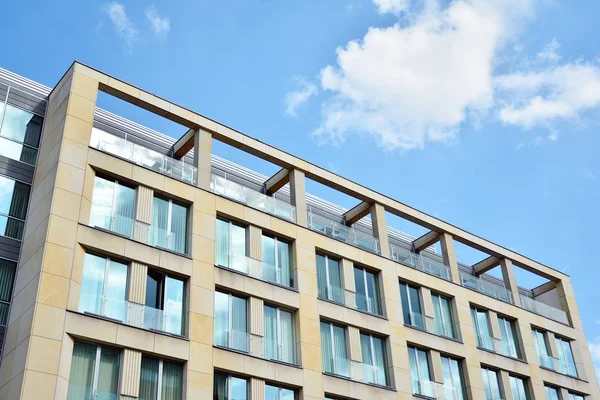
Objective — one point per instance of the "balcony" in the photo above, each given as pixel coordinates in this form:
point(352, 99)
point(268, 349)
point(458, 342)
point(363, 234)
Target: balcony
point(359, 301)
point(485, 287)
point(221, 186)
point(236, 340)
point(436, 390)
point(257, 269)
point(497, 346)
point(133, 314)
point(544, 310)
point(428, 324)
point(557, 365)
point(420, 262)
point(157, 162)
point(343, 233)
point(273, 350)
point(357, 371)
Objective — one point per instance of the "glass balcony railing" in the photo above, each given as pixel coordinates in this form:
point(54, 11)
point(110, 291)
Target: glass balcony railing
point(343, 233)
point(133, 314)
point(119, 224)
point(488, 288)
point(252, 198)
point(157, 162)
point(357, 371)
point(374, 374)
point(420, 262)
point(436, 390)
point(544, 310)
point(338, 366)
point(279, 351)
point(429, 324)
point(235, 340)
point(361, 302)
point(259, 270)
point(497, 346)
point(333, 293)
point(556, 364)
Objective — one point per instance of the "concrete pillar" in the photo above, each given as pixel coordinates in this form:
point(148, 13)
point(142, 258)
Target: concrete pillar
point(254, 242)
point(131, 365)
point(257, 389)
point(551, 341)
point(436, 366)
point(449, 255)
point(143, 213)
point(563, 393)
point(380, 229)
point(568, 303)
point(298, 195)
point(510, 282)
point(348, 282)
point(257, 326)
point(494, 324)
point(355, 353)
point(202, 157)
point(426, 302)
point(505, 385)
point(137, 283)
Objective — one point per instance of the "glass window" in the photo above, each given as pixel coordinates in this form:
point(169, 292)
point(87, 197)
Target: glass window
point(454, 387)
point(278, 393)
point(231, 246)
point(19, 134)
point(420, 372)
point(411, 306)
point(277, 261)
point(482, 329)
point(551, 393)
point(94, 372)
point(518, 387)
point(7, 278)
point(280, 335)
point(14, 198)
point(160, 380)
point(573, 396)
point(334, 350)
point(229, 387)
point(374, 360)
point(329, 279)
point(367, 291)
point(491, 384)
point(565, 357)
point(169, 225)
point(113, 206)
point(442, 316)
point(541, 347)
point(508, 334)
point(231, 321)
point(165, 297)
point(103, 287)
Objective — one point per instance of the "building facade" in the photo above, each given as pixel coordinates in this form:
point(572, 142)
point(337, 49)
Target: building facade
point(136, 266)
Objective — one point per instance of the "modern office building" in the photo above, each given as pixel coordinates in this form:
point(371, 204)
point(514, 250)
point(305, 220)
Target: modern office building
point(137, 266)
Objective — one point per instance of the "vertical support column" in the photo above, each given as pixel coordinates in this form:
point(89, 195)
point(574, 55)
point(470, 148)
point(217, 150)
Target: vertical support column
point(143, 213)
point(355, 353)
point(255, 242)
point(380, 229)
point(202, 157)
point(505, 385)
point(131, 365)
point(436, 366)
point(349, 285)
point(427, 303)
point(563, 393)
point(568, 303)
point(257, 389)
point(137, 283)
point(298, 195)
point(551, 341)
point(510, 282)
point(494, 324)
point(449, 255)
point(257, 326)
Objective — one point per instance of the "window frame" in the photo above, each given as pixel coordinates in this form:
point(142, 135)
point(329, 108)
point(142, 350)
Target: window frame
point(330, 296)
point(117, 185)
point(280, 389)
point(230, 255)
point(228, 378)
point(517, 379)
point(332, 344)
point(451, 324)
point(377, 299)
point(160, 375)
point(412, 323)
point(461, 376)
point(97, 360)
point(509, 329)
point(6, 104)
point(8, 216)
point(487, 371)
point(164, 277)
point(230, 331)
point(170, 202)
point(279, 335)
point(478, 333)
point(277, 240)
point(420, 390)
point(374, 357)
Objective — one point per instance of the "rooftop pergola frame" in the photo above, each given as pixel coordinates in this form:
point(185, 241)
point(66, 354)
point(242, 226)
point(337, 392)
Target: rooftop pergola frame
point(295, 171)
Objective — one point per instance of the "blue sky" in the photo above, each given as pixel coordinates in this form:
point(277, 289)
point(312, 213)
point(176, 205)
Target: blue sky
point(482, 113)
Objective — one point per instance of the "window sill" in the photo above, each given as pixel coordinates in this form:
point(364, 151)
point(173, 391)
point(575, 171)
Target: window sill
point(433, 334)
point(391, 389)
point(245, 353)
point(353, 309)
point(235, 271)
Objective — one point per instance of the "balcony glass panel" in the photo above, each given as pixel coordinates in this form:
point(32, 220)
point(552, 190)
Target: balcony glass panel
point(14, 198)
point(485, 287)
point(343, 233)
point(165, 165)
point(420, 262)
point(544, 310)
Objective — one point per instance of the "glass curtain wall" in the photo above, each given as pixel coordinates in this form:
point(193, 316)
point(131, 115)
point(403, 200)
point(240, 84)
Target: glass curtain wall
point(280, 336)
point(374, 360)
point(411, 306)
point(231, 246)
point(227, 387)
point(334, 349)
point(20, 133)
point(518, 388)
point(367, 291)
point(169, 225)
point(104, 287)
point(165, 299)
point(279, 393)
point(14, 198)
point(491, 384)
point(94, 372)
point(277, 262)
point(442, 316)
point(483, 333)
point(113, 206)
point(565, 356)
point(420, 372)
point(160, 380)
point(231, 321)
point(454, 387)
point(7, 277)
point(329, 277)
point(508, 334)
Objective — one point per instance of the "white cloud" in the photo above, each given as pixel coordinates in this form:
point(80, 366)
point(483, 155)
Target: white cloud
point(391, 6)
point(557, 93)
point(418, 81)
point(594, 347)
point(294, 99)
point(122, 23)
point(549, 53)
point(160, 25)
